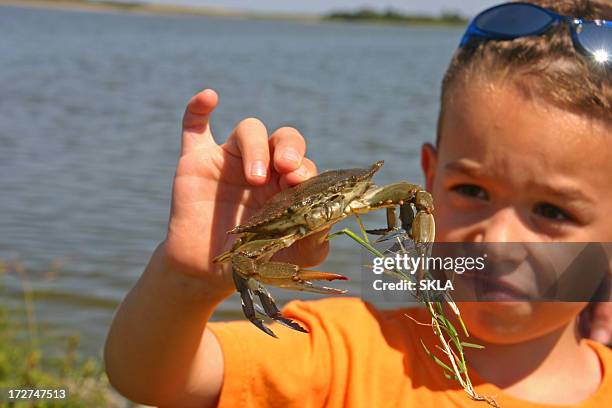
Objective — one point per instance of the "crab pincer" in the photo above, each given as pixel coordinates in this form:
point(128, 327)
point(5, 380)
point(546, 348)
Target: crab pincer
point(250, 287)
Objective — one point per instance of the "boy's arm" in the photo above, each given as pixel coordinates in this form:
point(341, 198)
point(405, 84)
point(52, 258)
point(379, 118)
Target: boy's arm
point(158, 351)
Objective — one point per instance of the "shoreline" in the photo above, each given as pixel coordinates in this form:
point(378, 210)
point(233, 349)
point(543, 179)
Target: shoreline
point(199, 11)
point(154, 9)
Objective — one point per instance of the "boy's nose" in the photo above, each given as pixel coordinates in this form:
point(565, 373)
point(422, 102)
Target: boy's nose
point(505, 225)
point(504, 232)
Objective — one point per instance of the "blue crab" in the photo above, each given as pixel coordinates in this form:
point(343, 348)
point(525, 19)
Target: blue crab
point(305, 209)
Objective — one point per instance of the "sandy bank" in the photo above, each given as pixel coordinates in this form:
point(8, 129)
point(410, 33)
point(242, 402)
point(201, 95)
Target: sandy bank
point(154, 9)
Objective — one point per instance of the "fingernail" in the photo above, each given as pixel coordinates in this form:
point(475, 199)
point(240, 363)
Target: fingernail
point(292, 155)
point(258, 169)
point(600, 336)
point(303, 172)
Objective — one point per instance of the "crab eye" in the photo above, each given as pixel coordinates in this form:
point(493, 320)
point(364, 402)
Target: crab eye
point(552, 212)
point(471, 190)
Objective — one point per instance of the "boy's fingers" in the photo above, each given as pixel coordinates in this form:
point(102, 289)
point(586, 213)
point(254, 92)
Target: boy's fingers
point(313, 252)
point(289, 148)
point(196, 126)
point(601, 325)
point(306, 170)
point(308, 252)
point(249, 140)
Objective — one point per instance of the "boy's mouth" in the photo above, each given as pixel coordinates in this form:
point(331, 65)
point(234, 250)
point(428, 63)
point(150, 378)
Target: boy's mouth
point(494, 289)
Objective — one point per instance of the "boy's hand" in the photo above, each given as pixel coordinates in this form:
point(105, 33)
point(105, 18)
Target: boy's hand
point(596, 322)
point(216, 187)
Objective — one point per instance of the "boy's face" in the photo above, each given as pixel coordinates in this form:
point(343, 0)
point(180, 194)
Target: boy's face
point(514, 168)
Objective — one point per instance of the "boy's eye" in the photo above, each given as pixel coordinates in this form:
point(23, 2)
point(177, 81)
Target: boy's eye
point(552, 212)
point(471, 190)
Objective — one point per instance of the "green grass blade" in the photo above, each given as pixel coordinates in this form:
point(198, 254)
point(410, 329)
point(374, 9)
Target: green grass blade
point(472, 345)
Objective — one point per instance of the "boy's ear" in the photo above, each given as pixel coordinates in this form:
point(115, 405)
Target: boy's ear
point(429, 161)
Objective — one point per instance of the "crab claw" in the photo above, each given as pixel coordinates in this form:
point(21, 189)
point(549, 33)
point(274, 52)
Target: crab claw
point(248, 308)
point(289, 276)
point(247, 287)
point(308, 286)
point(284, 321)
point(270, 310)
point(423, 228)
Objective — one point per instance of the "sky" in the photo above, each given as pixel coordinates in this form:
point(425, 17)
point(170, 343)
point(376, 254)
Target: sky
point(467, 8)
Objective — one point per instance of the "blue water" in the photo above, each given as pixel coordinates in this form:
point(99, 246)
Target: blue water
point(90, 107)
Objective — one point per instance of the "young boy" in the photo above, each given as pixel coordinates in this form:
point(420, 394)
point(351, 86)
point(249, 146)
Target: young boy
point(523, 155)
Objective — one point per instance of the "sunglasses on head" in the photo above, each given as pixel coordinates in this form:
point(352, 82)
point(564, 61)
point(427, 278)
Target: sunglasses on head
point(513, 20)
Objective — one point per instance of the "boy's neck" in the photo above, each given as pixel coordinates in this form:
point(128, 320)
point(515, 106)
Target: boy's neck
point(543, 369)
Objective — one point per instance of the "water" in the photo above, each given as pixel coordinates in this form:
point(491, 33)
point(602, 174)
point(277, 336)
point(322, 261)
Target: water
point(90, 107)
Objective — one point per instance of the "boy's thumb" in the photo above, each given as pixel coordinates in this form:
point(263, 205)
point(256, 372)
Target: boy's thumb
point(196, 120)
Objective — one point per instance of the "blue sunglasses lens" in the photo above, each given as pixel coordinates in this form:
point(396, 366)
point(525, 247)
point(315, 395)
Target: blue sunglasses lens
point(596, 39)
point(513, 20)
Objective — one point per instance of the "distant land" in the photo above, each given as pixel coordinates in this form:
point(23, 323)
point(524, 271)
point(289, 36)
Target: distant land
point(396, 17)
point(361, 16)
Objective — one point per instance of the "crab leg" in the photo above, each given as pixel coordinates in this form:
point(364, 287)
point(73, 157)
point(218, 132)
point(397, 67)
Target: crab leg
point(270, 309)
point(246, 287)
point(405, 195)
point(251, 266)
point(423, 229)
point(423, 226)
point(420, 226)
point(246, 298)
point(289, 276)
point(391, 224)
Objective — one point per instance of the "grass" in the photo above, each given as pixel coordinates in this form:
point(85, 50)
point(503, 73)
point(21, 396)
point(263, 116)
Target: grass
point(450, 343)
point(25, 364)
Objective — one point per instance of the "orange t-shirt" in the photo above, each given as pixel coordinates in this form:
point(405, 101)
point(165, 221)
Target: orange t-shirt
point(354, 356)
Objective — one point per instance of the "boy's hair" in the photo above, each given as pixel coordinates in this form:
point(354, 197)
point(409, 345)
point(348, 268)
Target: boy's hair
point(547, 65)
